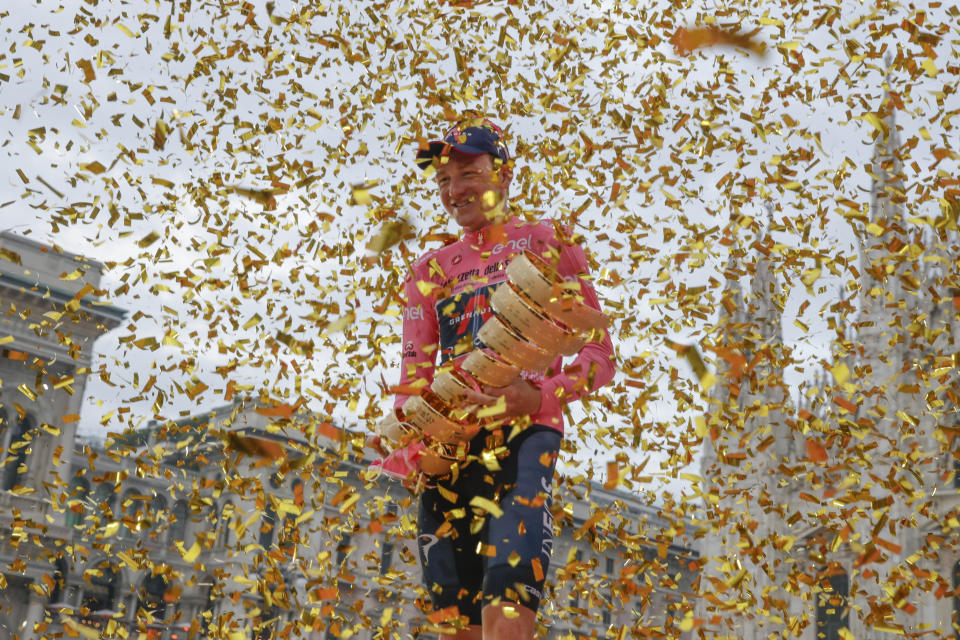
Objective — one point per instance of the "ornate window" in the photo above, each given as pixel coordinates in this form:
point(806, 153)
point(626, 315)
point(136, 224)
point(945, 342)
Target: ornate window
point(268, 526)
point(670, 611)
point(833, 612)
point(158, 507)
point(955, 623)
point(610, 578)
point(343, 549)
point(100, 590)
point(76, 502)
point(144, 515)
point(58, 594)
point(151, 597)
point(214, 595)
point(264, 625)
point(4, 423)
point(289, 535)
point(955, 455)
point(178, 523)
point(952, 452)
point(572, 581)
point(103, 498)
point(15, 462)
point(225, 526)
point(130, 506)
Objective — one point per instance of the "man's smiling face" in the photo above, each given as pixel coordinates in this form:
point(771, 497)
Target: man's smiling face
point(470, 186)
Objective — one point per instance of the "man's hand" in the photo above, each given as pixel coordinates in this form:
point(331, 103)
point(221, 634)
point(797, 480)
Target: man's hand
point(521, 398)
point(412, 479)
point(376, 443)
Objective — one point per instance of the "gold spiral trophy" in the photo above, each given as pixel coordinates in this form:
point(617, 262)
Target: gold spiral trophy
point(538, 316)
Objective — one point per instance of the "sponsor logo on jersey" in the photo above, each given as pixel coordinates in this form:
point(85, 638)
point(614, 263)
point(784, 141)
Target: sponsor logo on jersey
point(493, 268)
point(413, 313)
point(457, 259)
point(427, 540)
point(546, 547)
point(513, 245)
point(532, 591)
point(460, 316)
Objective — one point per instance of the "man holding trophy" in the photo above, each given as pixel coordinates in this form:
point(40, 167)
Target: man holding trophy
point(477, 426)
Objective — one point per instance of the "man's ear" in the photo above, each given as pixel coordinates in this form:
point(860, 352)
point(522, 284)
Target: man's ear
point(505, 175)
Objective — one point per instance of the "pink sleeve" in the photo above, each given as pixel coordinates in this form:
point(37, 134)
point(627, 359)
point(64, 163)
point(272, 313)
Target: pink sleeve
point(595, 364)
point(420, 338)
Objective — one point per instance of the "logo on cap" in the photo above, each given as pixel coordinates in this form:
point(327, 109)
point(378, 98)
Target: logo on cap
point(472, 136)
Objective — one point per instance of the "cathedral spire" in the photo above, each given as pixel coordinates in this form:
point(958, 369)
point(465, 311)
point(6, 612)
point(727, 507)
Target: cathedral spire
point(732, 316)
point(887, 186)
point(766, 299)
point(752, 314)
point(885, 234)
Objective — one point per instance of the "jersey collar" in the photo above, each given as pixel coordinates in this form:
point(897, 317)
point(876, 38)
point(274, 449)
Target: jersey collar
point(495, 232)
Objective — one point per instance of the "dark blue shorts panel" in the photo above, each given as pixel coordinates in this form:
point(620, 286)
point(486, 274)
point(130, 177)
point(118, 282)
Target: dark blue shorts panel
point(482, 557)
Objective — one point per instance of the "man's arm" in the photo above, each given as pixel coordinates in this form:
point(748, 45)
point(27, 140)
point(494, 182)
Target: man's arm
point(594, 365)
point(420, 340)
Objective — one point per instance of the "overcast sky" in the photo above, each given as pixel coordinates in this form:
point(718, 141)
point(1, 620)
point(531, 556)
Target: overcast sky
point(207, 152)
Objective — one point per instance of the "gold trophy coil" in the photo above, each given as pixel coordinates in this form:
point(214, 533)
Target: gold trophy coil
point(538, 316)
point(552, 293)
point(534, 325)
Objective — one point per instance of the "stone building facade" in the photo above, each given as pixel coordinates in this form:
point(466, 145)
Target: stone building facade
point(834, 509)
point(49, 323)
point(251, 520)
point(240, 524)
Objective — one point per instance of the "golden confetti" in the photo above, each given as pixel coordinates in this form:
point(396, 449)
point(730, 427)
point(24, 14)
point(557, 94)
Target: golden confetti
point(687, 40)
point(486, 505)
point(774, 188)
point(390, 233)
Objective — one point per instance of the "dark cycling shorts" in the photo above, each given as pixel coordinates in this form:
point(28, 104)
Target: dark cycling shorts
point(481, 557)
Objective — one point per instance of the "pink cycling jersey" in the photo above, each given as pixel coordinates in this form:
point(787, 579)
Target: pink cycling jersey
point(447, 298)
